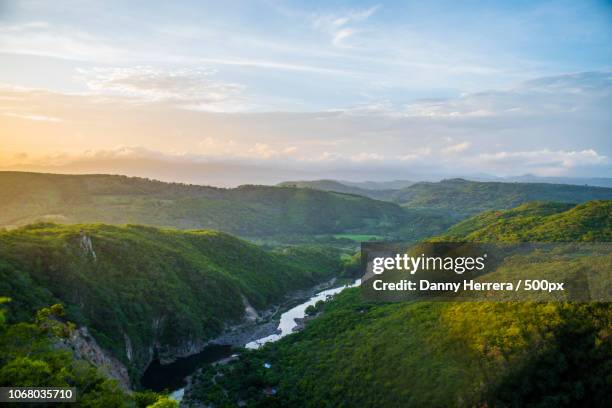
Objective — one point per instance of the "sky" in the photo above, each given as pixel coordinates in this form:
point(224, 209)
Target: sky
point(263, 91)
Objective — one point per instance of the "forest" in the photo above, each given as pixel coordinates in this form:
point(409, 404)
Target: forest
point(90, 300)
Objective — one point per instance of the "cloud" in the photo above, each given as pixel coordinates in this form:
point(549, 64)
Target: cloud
point(366, 157)
point(457, 148)
point(546, 158)
point(341, 27)
point(415, 154)
point(557, 95)
point(228, 152)
point(555, 125)
point(283, 66)
point(33, 117)
point(264, 151)
point(209, 149)
point(342, 34)
point(188, 88)
point(42, 38)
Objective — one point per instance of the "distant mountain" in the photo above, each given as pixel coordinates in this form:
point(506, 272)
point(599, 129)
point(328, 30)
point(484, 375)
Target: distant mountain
point(341, 187)
point(461, 197)
point(532, 178)
point(248, 211)
point(297, 209)
point(379, 185)
point(580, 181)
point(470, 197)
point(439, 354)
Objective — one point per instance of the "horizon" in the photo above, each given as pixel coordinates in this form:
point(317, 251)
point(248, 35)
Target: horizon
point(365, 184)
point(274, 91)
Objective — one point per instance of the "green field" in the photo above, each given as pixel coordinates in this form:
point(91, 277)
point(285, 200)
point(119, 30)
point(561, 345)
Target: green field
point(359, 237)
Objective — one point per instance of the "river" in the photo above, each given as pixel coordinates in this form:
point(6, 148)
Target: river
point(288, 322)
point(159, 377)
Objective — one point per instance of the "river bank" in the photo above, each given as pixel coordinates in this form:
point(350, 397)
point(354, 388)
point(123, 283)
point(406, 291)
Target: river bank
point(292, 319)
point(268, 325)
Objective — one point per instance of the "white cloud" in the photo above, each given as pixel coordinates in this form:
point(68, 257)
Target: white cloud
point(456, 148)
point(415, 154)
point(188, 88)
point(367, 157)
point(44, 39)
point(342, 34)
point(229, 151)
point(264, 151)
point(216, 146)
point(341, 27)
point(529, 133)
point(548, 96)
point(33, 117)
point(545, 157)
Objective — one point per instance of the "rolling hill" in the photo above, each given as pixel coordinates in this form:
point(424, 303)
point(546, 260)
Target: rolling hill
point(471, 197)
point(538, 222)
point(462, 198)
point(342, 187)
point(248, 211)
point(440, 354)
point(272, 214)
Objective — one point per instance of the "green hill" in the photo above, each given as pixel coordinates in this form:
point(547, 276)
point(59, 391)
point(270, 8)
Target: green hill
point(588, 222)
point(440, 354)
point(263, 212)
point(462, 198)
point(142, 289)
point(339, 187)
point(34, 354)
point(470, 197)
point(248, 211)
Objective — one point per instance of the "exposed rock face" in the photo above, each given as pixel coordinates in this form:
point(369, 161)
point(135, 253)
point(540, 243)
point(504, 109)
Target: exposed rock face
point(128, 347)
point(168, 355)
point(87, 246)
point(237, 334)
point(85, 347)
point(250, 314)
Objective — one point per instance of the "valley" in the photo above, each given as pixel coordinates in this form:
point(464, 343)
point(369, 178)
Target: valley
point(172, 298)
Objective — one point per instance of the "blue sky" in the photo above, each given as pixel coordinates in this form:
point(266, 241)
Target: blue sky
point(402, 70)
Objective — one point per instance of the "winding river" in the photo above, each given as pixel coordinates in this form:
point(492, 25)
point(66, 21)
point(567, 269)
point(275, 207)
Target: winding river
point(288, 322)
point(160, 377)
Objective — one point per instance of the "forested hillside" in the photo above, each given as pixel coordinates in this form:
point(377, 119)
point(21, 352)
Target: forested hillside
point(278, 214)
point(34, 353)
point(248, 211)
point(440, 354)
point(340, 187)
point(470, 197)
point(461, 198)
point(142, 290)
point(537, 222)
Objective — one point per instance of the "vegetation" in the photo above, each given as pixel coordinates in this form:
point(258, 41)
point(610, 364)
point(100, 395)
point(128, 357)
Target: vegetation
point(247, 211)
point(141, 288)
point(464, 197)
point(588, 222)
point(33, 355)
point(340, 187)
point(359, 237)
point(145, 292)
point(461, 198)
point(441, 353)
